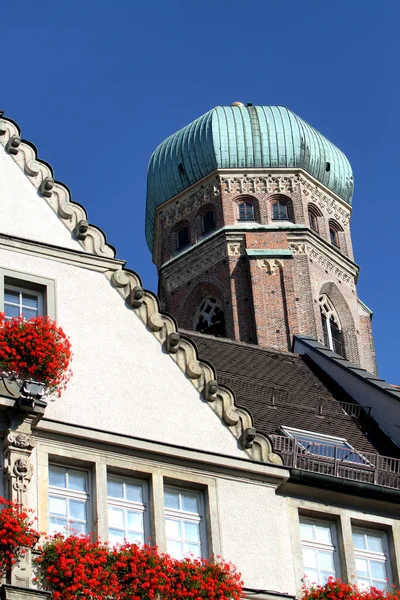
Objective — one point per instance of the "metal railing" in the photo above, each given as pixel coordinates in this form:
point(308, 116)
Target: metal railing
point(364, 467)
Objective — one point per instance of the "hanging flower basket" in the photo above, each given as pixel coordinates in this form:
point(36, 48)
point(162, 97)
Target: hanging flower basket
point(36, 353)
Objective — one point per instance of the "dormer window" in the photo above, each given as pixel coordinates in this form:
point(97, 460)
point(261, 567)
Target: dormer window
point(325, 446)
point(246, 211)
point(280, 211)
point(208, 221)
point(182, 238)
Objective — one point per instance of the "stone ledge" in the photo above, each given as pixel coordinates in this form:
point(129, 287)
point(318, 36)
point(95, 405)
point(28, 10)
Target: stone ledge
point(14, 592)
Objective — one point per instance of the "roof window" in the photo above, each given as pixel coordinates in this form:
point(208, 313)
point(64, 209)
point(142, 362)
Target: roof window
point(326, 446)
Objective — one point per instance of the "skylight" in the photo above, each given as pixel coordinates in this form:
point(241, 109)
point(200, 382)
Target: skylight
point(327, 446)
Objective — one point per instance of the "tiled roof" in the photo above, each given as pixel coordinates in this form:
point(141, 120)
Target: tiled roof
point(285, 389)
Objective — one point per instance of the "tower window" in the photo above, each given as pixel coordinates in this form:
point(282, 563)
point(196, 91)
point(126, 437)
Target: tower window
point(313, 214)
point(182, 238)
point(333, 336)
point(280, 211)
point(208, 221)
point(210, 318)
point(334, 229)
point(246, 211)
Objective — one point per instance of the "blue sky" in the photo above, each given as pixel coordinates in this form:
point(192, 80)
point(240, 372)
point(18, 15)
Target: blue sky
point(98, 85)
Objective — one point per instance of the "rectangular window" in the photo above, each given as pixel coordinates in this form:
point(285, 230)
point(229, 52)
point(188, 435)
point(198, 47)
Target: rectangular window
point(30, 295)
point(18, 301)
point(184, 522)
point(371, 554)
point(127, 505)
point(319, 549)
point(68, 500)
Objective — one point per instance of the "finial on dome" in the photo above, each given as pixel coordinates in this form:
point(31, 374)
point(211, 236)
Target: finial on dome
point(240, 104)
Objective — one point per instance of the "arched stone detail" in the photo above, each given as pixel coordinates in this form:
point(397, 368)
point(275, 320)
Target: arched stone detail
point(251, 199)
point(346, 320)
point(273, 199)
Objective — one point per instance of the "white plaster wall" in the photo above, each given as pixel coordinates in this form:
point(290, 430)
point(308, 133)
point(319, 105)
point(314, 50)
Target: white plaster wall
point(24, 213)
point(255, 534)
point(122, 380)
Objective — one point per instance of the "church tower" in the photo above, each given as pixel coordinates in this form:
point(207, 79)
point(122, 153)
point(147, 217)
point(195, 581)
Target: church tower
point(247, 217)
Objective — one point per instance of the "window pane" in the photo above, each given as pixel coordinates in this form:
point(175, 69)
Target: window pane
point(359, 540)
point(193, 549)
point(57, 525)
point(57, 477)
point(174, 549)
point(192, 532)
point(306, 531)
point(381, 585)
point(30, 301)
point(77, 510)
point(77, 481)
point(115, 488)
point(173, 528)
point(326, 561)
point(378, 569)
point(10, 296)
point(115, 517)
point(362, 567)
point(190, 503)
point(171, 499)
point(134, 537)
point(135, 520)
point(309, 557)
point(311, 575)
point(77, 528)
point(374, 543)
point(29, 313)
point(11, 311)
point(134, 492)
point(58, 506)
point(323, 534)
point(116, 536)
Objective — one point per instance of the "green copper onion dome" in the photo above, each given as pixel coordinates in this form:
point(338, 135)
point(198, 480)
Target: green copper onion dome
point(244, 137)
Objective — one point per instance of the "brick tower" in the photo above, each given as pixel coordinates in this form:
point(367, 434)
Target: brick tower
point(248, 212)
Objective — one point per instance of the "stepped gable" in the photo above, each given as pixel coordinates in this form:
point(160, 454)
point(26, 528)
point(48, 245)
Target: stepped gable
point(280, 388)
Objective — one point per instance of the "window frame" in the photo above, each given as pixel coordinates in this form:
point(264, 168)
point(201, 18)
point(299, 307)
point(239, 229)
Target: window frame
point(246, 218)
point(213, 228)
point(371, 555)
point(71, 494)
point(178, 247)
point(279, 204)
point(314, 545)
point(30, 283)
point(21, 291)
point(182, 515)
point(127, 504)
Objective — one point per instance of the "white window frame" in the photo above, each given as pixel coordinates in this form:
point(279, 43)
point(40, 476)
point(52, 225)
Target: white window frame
point(333, 548)
point(129, 504)
point(182, 515)
point(377, 556)
point(72, 494)
point(31, 284)
point(21, 291)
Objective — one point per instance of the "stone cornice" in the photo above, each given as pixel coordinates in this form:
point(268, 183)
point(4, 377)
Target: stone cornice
point(144, 303)
point(319, 251)
point(60, 254)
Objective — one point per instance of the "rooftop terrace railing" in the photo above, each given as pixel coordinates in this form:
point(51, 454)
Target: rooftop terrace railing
point(338, 461)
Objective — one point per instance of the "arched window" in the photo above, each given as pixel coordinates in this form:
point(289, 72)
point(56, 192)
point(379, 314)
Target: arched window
point(210, 317)
point(280, 211)
point(182, 238)
point(333, 337)
point(246, 211)
point(208, 221)
point(313, 214)
point(334, 229)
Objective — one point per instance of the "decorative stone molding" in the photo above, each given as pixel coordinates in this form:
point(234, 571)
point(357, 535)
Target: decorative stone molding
point(270, 265)
point(236, 249)
point(56, 194)
point(269, 184)
point(324, 261)
point(144, 303)
point(13, 592)
point(190, 266)
point(170, 214)
point(315, 194)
